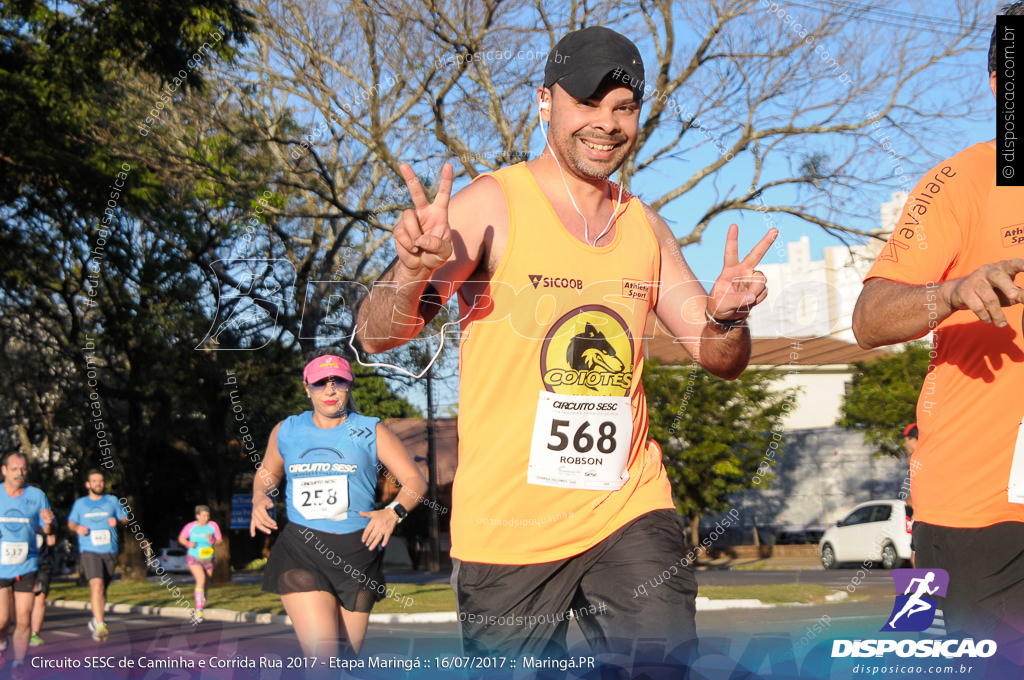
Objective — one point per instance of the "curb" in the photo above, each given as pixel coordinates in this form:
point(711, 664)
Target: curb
point(231, 616)
point(226, 615)
point(704, 604)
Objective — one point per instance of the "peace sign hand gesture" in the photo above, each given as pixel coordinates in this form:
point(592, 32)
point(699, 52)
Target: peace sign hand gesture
point(740, 286)
point(423, 237)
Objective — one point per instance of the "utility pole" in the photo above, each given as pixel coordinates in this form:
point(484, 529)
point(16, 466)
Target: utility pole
point(435, 527)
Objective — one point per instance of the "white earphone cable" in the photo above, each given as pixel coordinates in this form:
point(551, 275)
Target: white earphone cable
point(586, 225)
point(433, 359)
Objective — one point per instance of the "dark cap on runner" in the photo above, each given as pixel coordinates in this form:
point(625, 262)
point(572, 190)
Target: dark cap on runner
point(910, 431)
point(584, 58)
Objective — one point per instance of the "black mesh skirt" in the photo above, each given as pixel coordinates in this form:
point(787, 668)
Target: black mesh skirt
point(305, 560)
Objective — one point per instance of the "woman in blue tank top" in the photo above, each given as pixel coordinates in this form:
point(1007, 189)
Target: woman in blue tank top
point(326, 563)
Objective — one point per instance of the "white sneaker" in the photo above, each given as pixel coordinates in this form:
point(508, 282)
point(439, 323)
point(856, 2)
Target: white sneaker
point(99, 631)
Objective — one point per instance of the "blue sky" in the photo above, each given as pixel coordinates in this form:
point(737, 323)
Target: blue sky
point(705, 258)
point(944, 139)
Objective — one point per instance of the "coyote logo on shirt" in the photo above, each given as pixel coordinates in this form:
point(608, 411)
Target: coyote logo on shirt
point(588, 351)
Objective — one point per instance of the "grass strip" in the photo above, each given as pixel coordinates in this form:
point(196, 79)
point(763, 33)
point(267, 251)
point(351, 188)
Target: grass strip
point(248, 597)
point(424, 598)
point(780, 593)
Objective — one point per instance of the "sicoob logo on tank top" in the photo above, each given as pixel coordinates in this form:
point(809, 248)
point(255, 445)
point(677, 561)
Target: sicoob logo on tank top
point(588, 351)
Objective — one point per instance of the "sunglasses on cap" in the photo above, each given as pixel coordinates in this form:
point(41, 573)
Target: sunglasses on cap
point(339, 383)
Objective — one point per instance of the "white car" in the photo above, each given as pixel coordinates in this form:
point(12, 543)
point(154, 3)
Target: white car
point(876, 531)
point(172, 560)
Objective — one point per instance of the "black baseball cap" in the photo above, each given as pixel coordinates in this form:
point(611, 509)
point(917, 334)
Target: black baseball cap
point(910, 431)
point(584, 58)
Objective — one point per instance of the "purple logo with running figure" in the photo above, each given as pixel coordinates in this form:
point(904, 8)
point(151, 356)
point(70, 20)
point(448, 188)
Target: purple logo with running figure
point(914, 609)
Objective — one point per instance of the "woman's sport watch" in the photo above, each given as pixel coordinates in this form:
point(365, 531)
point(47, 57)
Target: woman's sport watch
point(399, 510)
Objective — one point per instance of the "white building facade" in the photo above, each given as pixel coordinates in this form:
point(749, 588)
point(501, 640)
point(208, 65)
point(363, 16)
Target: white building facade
point(815, 298)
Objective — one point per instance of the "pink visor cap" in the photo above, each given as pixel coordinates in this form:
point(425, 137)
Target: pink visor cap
point(325, 367)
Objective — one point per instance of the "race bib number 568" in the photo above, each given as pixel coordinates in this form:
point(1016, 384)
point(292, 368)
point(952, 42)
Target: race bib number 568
point(580, 442)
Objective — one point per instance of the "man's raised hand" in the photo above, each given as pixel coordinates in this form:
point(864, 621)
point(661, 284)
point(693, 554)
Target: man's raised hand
point(740, 286)
point(423, 237)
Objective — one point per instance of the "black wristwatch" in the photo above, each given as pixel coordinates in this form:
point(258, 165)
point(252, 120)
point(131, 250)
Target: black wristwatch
point(724, 325)
point(399, 510)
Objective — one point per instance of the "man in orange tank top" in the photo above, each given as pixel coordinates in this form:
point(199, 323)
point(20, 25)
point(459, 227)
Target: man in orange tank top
point(950, 267)
point(562, 507)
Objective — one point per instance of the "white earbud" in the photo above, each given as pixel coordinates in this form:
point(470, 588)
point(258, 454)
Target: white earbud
point(546, 106)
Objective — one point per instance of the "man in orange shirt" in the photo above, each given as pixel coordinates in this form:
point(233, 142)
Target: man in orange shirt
point(560, 502)
point(950, 268)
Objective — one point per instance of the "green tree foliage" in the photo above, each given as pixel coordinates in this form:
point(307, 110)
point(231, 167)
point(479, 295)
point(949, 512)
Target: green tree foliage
point(104, 312)
point(882, 399)
point(713, 433)
point(61, 66)
point(374, 398)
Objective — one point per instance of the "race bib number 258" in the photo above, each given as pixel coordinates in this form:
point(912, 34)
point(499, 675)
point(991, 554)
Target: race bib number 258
point(322, 497)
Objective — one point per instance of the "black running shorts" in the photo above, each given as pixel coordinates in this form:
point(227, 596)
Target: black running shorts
point(637, 583)
point(304, 560)
point(25, 583)
point(986, 575)
point(99, 565)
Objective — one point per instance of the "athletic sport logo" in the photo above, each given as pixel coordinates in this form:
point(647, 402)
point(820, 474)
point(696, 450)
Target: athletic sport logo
point(535, 279)
point(914, 609)
point(638, 290)
point(589, 351)
point(1012, 235)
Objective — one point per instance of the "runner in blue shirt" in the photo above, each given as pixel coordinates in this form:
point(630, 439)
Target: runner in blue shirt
point(327, 564)
point(24, 512)
point(95, 518)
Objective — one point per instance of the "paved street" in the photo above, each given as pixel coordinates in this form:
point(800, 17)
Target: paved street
point(766, 639)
